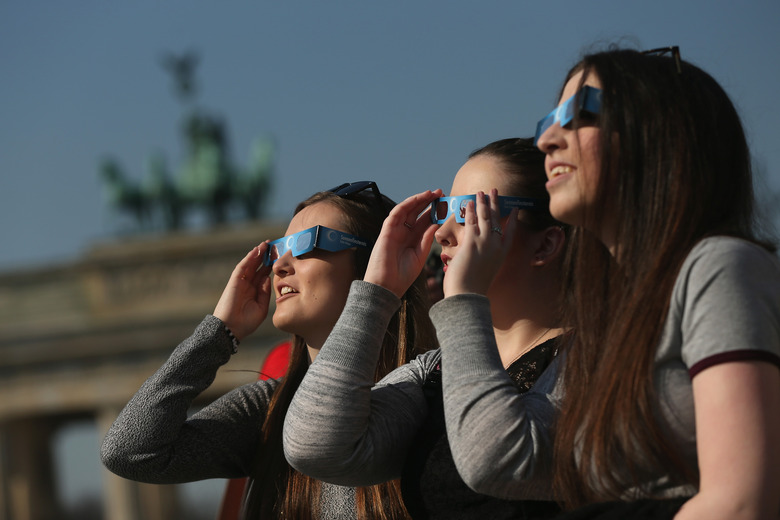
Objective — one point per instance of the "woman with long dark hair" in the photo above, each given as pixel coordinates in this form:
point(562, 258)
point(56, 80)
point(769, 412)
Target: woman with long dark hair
point(671, 388)
point(327, 246)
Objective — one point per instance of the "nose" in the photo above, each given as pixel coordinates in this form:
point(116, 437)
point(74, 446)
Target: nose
point(445, 235)
point(551, 139)
point(284, 264)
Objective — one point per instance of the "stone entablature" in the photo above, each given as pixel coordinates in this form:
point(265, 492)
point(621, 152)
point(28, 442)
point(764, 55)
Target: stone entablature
point(86, 334)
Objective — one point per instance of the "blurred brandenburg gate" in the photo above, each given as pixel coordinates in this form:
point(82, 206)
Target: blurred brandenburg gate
point(77, 340)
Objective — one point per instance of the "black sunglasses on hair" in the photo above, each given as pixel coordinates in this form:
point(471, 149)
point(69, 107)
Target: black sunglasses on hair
point(352, 188)
point(674, 50)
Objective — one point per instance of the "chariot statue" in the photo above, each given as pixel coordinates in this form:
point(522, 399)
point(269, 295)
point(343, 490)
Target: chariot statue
point(207, 180)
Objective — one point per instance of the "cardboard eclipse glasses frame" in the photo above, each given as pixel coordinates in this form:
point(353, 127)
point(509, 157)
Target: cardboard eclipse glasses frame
point(444, 207)
point(587, 99)
point(305, 241)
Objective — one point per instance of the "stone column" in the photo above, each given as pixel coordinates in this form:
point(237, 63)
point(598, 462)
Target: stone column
point(159, 502)
point(129, 500)
point(28, 487)
point(5, 470)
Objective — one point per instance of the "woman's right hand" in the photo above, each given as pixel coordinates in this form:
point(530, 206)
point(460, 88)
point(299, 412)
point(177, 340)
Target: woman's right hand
point(244, 303)
point(483, 248)
point(403, 244)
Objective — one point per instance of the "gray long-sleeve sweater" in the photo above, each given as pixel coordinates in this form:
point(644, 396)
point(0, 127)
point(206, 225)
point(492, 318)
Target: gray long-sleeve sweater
point(153, 441)
point(342, 428)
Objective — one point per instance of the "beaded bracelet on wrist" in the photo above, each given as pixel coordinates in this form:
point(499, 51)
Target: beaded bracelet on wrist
point(233, 339)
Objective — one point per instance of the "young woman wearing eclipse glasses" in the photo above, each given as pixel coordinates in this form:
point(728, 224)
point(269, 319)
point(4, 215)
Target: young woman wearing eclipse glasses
point(669, 400)
point(672, 388)
point(344, 429)
point(327, 246)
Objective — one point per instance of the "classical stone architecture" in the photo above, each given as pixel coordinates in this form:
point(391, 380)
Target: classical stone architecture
point(77, 340)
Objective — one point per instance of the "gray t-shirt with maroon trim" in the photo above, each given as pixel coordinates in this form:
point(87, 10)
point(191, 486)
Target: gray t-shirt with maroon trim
point(725, 306)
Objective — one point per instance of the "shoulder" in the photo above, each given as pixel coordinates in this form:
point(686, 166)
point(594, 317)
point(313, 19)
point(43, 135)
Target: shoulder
point(722, 252)
point(726, 265)
point(726, 298)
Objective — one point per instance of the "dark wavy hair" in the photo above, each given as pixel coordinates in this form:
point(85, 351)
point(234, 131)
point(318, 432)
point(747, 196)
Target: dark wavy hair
point(276, 490)
point(675, 168)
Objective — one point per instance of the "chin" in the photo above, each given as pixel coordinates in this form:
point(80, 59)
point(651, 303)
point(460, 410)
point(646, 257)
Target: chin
point(565, 211)
point(284, 323)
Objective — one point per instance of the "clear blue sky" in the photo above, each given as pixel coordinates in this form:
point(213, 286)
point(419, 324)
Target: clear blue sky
point(398, 92)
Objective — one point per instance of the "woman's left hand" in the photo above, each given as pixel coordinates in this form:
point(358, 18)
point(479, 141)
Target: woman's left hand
point(403, 244)
point(483, 248)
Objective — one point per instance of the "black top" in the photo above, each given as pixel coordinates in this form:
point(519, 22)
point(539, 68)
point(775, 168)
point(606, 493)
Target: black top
point(430, 483)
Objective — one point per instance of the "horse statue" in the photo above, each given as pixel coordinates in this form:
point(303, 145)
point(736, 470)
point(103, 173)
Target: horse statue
point(207, 180)
point(123, 194)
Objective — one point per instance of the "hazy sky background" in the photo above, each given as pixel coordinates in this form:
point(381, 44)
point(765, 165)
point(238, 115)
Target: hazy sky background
point(398, 92)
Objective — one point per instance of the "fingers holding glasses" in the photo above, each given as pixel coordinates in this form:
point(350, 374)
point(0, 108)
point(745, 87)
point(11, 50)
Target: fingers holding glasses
point(409, 222)
point(503, 233)
point(413, 210)
point(487, 213)
point(482, 250)
point(252, 268)
point(483, 216)
point(495, 213)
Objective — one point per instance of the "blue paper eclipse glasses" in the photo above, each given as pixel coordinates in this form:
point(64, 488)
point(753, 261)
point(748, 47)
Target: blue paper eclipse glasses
point(305, 241)
point(587, 99)
point(443, 207)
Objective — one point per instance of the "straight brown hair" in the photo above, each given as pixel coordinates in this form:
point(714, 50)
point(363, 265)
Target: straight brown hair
point(675, 168)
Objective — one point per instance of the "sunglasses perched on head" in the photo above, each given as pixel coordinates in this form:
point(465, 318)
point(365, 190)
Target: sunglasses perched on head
point(349, 189)
point(352, 188)
point(587, 100)
point(443, 207)
point(674, 50)
point(305, 241)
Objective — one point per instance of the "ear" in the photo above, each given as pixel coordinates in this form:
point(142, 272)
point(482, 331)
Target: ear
point(550, 246)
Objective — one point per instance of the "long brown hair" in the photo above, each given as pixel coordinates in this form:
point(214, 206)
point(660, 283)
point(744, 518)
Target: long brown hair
point(675, 168)
point(276, 490)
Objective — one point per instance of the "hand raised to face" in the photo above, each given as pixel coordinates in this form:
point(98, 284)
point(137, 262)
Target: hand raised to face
point(243, 305)
point(482, 249)
point(402, 248)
